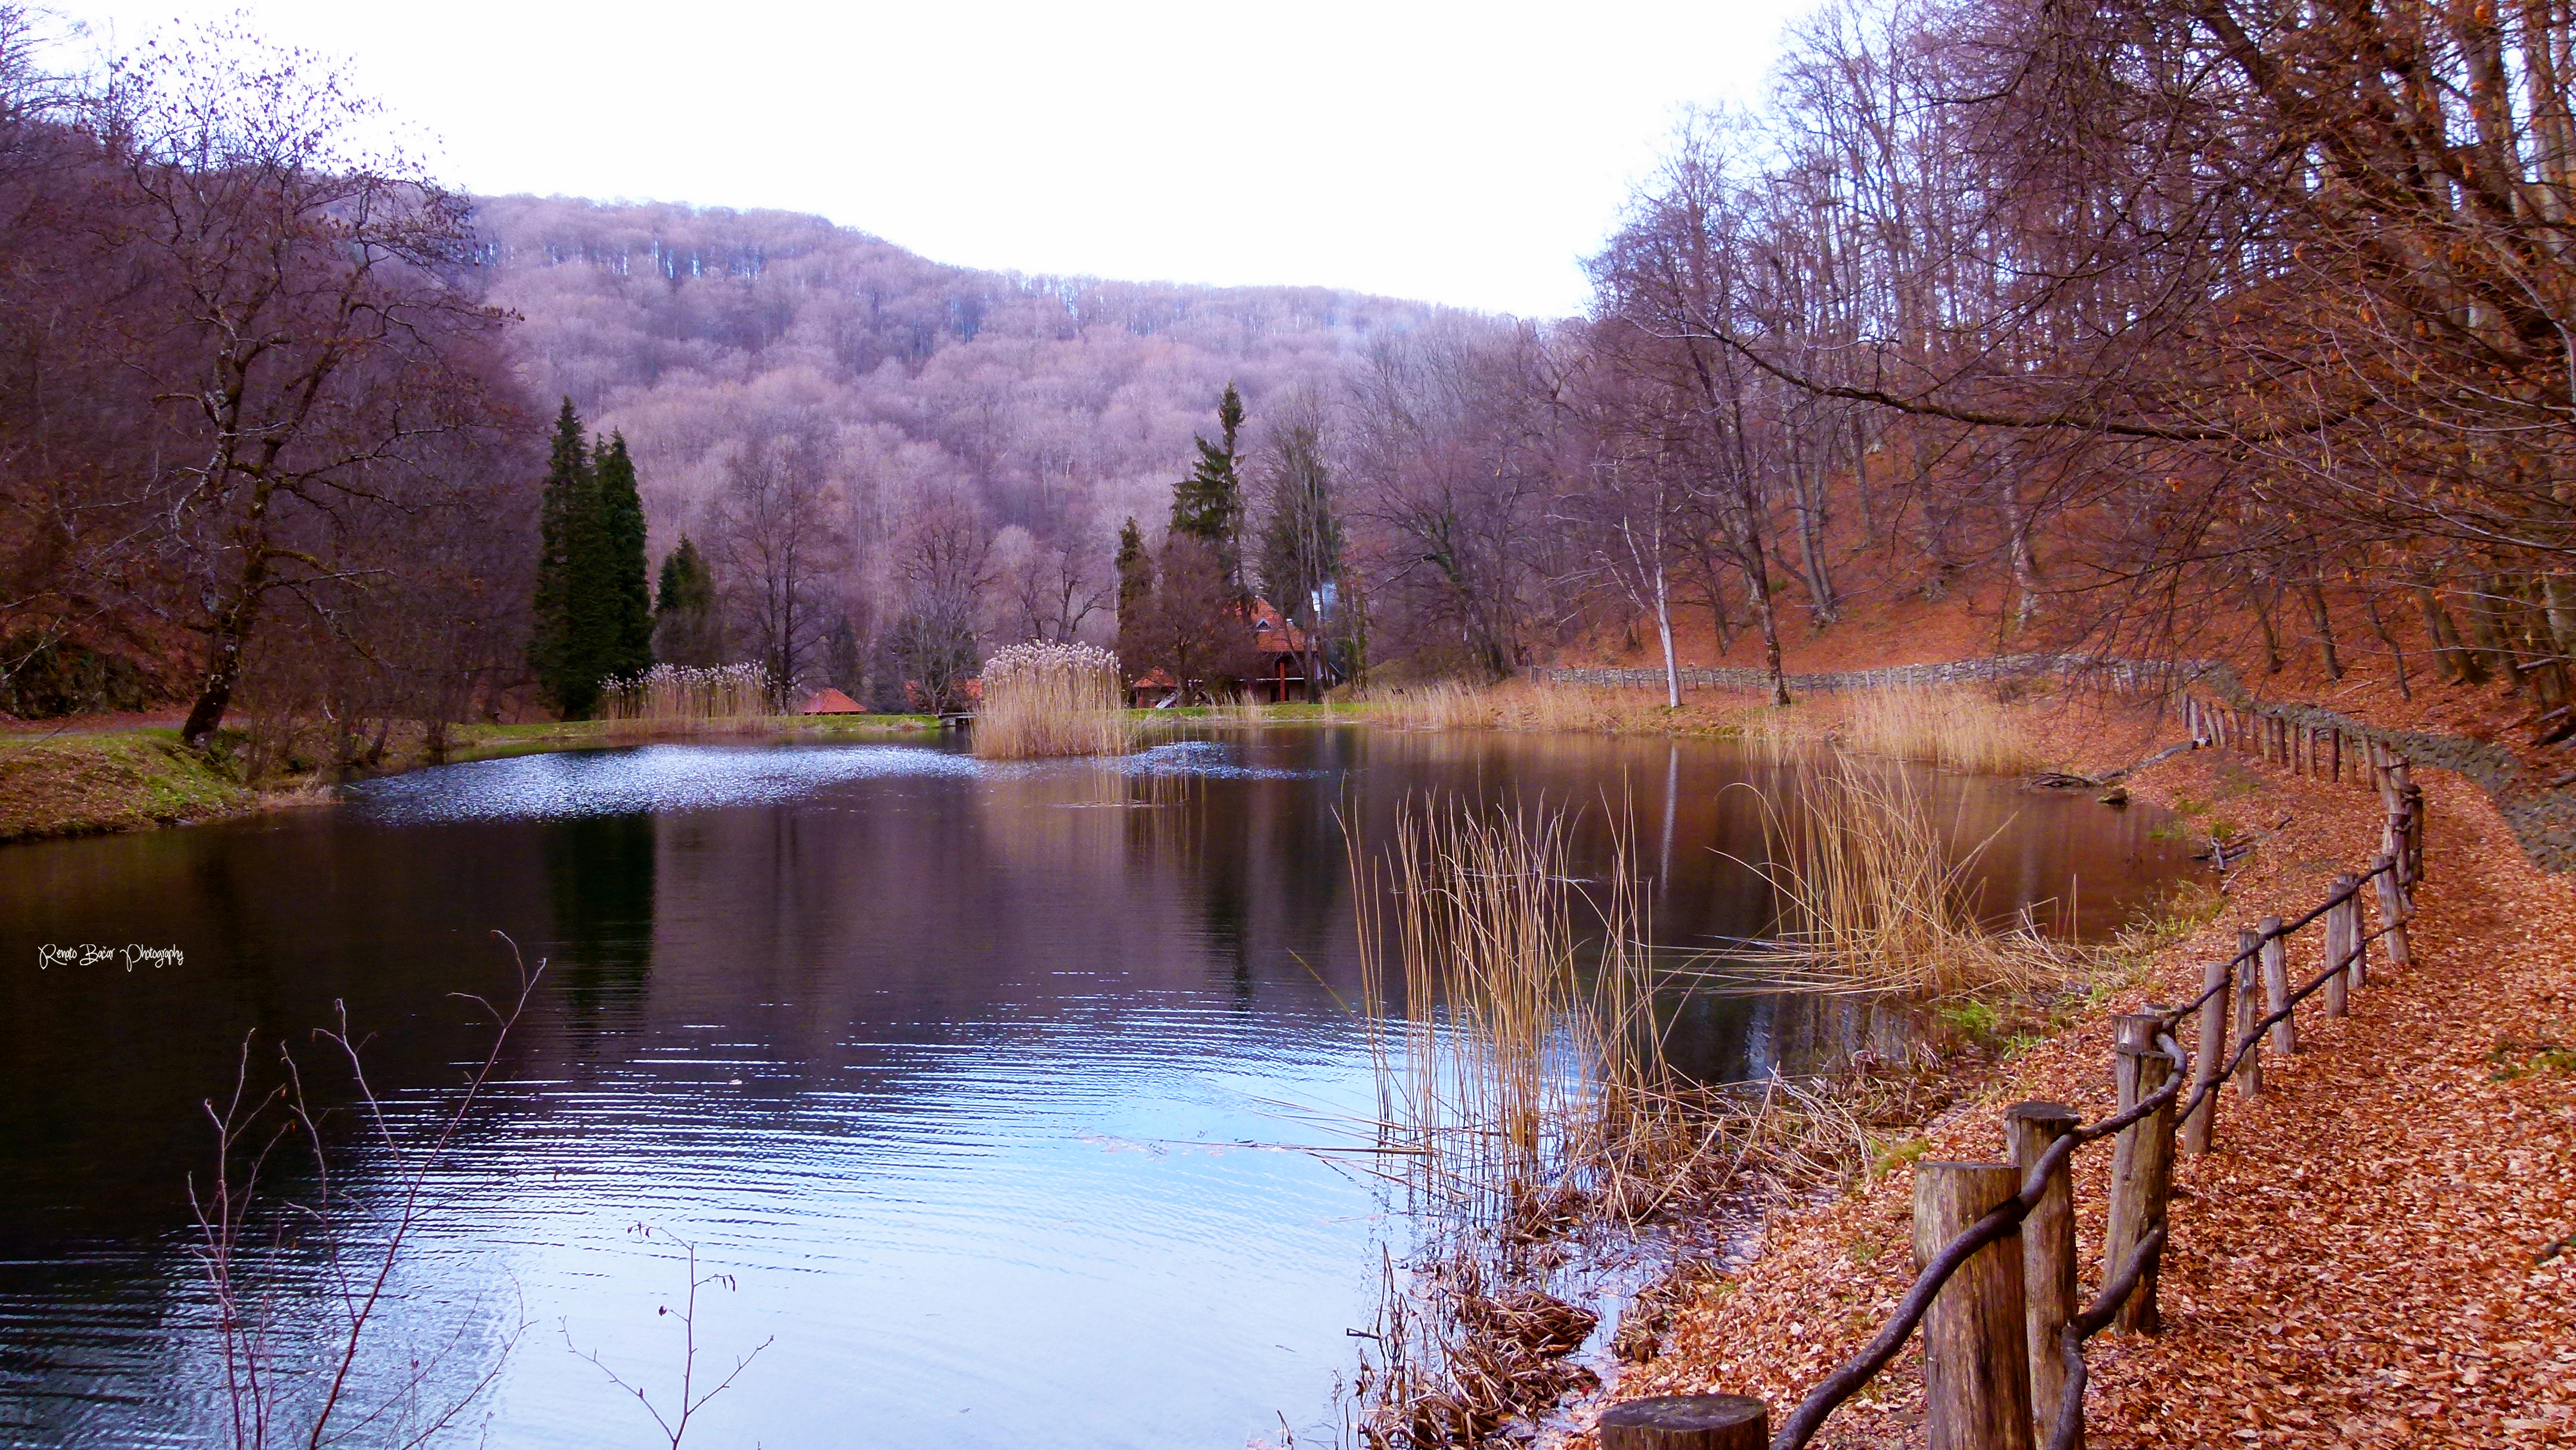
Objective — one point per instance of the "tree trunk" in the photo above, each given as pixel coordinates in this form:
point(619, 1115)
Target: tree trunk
point(2025, 566)
point(1759, 578)
point(2458, 663)
point(1808, 492)
point(2324, 623)
point(230, 633)
point(1664, 631)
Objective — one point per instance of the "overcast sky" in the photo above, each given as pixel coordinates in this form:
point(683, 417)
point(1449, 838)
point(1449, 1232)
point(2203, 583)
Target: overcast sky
point(1461, 154)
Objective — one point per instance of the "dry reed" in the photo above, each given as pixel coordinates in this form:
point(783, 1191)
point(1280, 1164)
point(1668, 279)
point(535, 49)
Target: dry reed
point(1051, 699)
point(1526, 1108)
point(1516, 705)
point(678, 698)
point(1952, 728)
point(1523, 1094)
point(1872, 891)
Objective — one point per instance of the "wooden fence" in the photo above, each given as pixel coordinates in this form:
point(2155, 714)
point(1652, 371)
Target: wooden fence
point(1996, 1295)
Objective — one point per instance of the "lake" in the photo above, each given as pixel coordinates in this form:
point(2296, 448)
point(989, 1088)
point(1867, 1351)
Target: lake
point(981, 1086)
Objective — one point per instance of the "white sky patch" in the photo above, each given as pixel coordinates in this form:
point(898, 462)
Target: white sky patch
point(1469, 155)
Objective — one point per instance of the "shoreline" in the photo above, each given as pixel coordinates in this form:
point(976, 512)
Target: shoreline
point(2365, 1257)
point(73, 782)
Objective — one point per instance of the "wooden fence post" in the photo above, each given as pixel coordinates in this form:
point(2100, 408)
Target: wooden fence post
point(2415, 831)
point(2276, 983)
point(1686, 1422)
point(2249, 1010)
point(1976, 1352)
point(2337, 957)
point(2392, 913)
point(2215, 1048)
point(2141, 1168)
point(2047, 1254)
point(2356, 944)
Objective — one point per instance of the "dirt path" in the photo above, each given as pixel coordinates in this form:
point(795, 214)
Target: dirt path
point(2378, 1253)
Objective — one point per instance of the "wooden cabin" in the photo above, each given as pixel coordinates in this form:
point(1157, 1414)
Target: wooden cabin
point(1279, 649)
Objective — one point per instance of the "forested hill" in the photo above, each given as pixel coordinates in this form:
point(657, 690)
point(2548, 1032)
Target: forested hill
point(1057, 404)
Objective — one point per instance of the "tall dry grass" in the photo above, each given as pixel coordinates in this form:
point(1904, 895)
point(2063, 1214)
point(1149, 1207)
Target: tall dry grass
point(1049, 700)
point(678, 698)
point(1956, 729)
point(1526, 1108)
point(1504, 1058)
point(1516, 705)
point(1874, 894)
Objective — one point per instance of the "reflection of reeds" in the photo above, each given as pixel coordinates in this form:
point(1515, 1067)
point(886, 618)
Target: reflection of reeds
point(1872, 892)
point(1051, 699)
point(1952, 728)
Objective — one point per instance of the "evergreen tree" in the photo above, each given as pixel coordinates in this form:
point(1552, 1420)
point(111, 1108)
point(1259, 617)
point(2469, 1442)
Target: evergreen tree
point(1135, 570)
point(1208, 505)
point(562, 647)
point(1301, 543)
point(625, 594)
point(686, 629)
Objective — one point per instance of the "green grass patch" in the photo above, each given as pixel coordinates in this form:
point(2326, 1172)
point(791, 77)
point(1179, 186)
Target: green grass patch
point(84, 784)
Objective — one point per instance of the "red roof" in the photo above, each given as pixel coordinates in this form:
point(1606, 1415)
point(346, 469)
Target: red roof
point(829, 701)
point(1272, 633)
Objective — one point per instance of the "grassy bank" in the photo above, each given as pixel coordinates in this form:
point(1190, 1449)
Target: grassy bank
point(492, 742)
point(78, 784)
point(92, 782)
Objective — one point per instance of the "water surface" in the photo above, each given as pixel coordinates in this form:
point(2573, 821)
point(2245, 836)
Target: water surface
point(967, 1076)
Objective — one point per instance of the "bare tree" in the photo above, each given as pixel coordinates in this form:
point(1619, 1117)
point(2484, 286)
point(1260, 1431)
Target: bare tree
point(775, 530)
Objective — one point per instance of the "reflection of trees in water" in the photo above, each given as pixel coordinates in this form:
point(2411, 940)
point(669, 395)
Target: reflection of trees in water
point(600, 874)
point(1715, 1037)
point(1259, 863)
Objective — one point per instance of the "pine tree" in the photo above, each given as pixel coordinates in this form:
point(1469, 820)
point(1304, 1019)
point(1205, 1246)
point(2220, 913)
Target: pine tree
point(1135, 568)
point(1301, 544)
point(685, 627)
point(624, 591)
point(1208, 505)
point(561, 648)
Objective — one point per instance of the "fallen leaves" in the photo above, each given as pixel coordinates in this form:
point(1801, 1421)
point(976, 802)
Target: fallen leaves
point(2380, 1252)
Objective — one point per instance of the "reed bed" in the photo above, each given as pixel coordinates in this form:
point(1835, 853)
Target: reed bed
point(1526, 1109)
point(1874, 893)
point(1517, 705)
point(1045, 699)
point(1523, 1100)
point(679, 698)
point(1955, 729)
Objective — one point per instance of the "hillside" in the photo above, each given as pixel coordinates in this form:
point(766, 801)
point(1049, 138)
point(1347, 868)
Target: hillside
point(1056, 404)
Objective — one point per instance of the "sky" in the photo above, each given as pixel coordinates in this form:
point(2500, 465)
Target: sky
point(1468, 155)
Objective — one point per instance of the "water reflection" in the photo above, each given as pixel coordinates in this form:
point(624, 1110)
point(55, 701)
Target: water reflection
point(962, 1071)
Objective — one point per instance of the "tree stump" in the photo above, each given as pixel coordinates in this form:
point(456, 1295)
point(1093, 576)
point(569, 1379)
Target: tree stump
point(1686, 1422)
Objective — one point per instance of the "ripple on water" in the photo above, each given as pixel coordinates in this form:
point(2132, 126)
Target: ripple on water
point(675, 778)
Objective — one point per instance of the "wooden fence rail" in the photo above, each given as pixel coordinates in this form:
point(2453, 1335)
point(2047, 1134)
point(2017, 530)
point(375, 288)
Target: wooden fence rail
point(1996, 1280)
